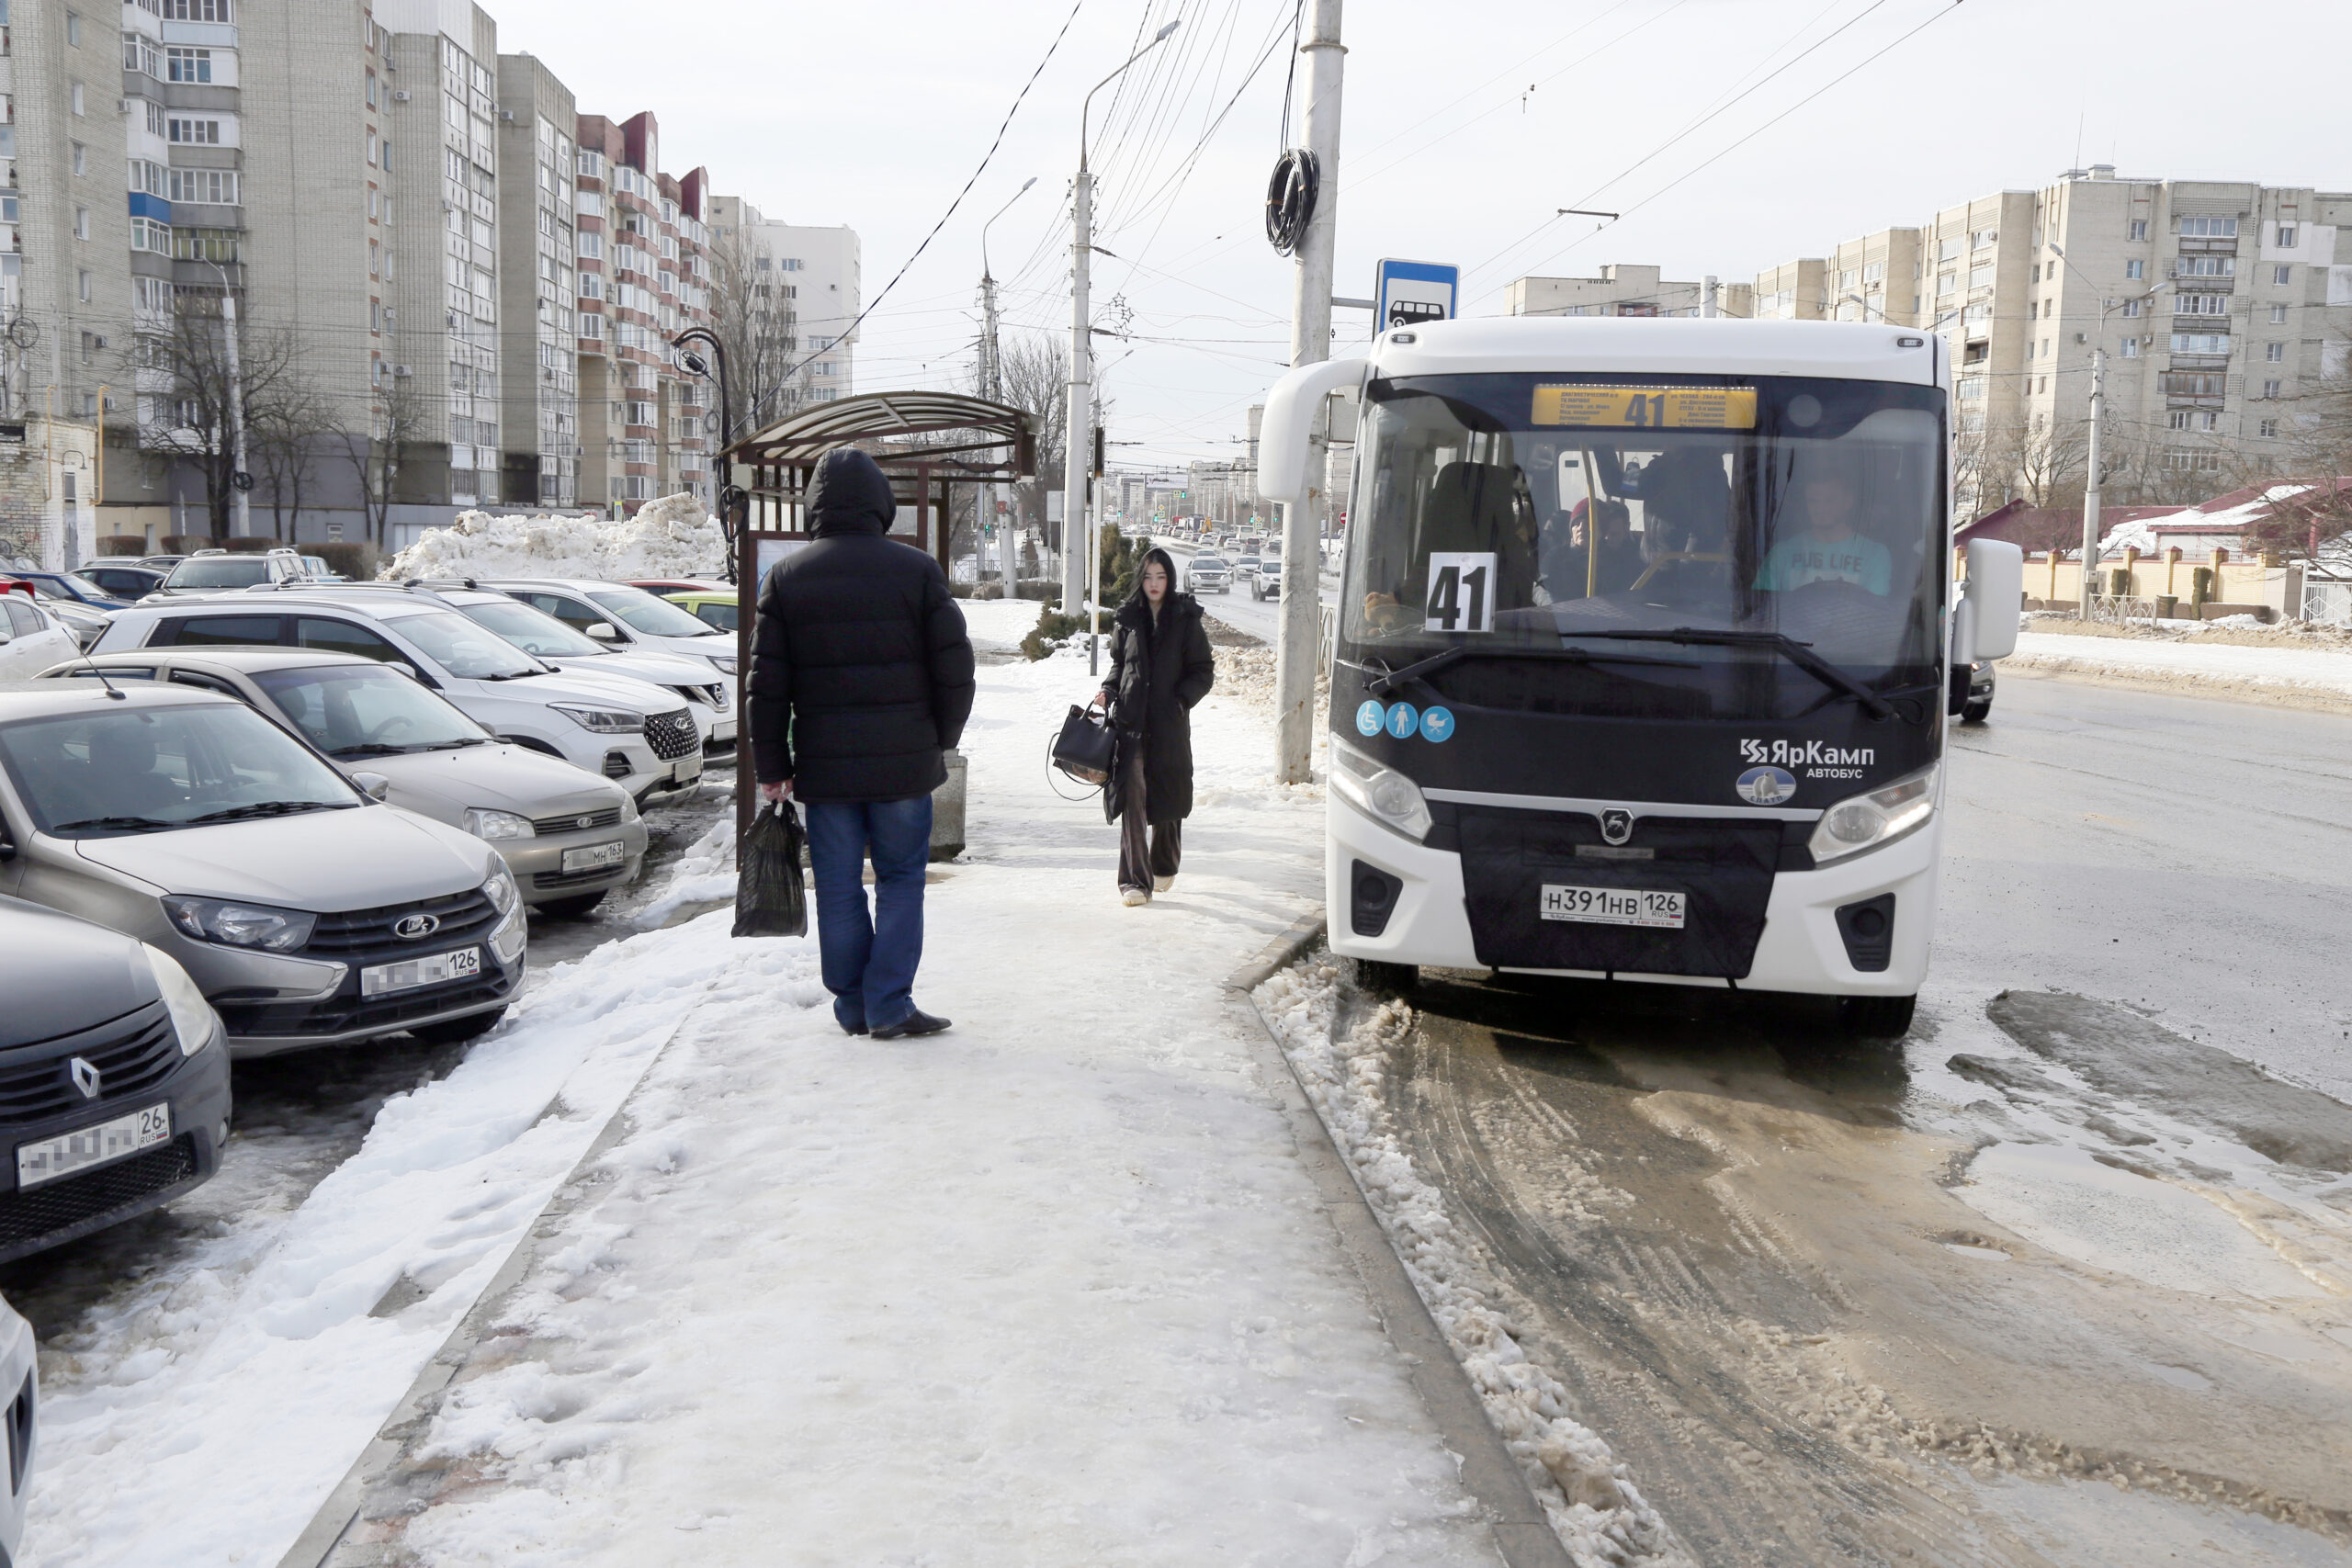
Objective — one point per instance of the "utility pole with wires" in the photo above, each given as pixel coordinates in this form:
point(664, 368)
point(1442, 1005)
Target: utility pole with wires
point(1296, 652)
point(1079, 571)
point(992, 389)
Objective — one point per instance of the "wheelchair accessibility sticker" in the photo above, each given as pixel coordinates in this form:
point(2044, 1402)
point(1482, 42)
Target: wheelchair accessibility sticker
point(1369, 718)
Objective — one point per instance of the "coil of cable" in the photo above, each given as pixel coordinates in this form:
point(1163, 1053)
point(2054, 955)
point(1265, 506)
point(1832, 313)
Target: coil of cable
point(1290, 199)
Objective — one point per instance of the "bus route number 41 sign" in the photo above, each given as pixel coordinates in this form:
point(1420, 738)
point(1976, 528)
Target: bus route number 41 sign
point(1461, 592)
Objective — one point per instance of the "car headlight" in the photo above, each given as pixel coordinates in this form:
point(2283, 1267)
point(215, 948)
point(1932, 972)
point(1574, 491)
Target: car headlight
point(628, 807)
point(1381, 793)
point(192, 1016)
point(484, 823)
point(241, 925)
point(604, 721)
point(1877, 817)
point(501, 890)
point(725, 662)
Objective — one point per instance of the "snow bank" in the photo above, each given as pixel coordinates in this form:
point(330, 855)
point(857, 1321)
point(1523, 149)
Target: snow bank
point(205, 1418)
point(1595, 1507)
point(674, 536)
point(704, 872)
point(2321, 675)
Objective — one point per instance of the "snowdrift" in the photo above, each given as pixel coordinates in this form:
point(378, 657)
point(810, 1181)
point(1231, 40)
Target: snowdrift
point(674, 536)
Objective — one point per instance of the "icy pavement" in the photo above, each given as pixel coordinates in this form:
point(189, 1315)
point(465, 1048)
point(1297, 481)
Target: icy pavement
point(1052, 1288)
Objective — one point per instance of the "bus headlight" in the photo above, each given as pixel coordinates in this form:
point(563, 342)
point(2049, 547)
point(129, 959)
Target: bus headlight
point(1381, 793)
point(1878, 816)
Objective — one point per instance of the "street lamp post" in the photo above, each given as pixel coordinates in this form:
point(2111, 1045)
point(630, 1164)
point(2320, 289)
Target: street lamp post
point(240, 477)
point(722, 491)
point(992, 389)
point(1079, 572)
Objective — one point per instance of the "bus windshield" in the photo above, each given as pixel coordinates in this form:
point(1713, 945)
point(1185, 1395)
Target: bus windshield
point(1508, 512)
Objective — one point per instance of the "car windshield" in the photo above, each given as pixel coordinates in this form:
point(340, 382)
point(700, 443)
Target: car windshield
point(463, 648)
point(718, 613)
point(366, 710)
point(140, 770)
point(531, 630)
point(1512, 514)
point(644, 612)
point(220, 572)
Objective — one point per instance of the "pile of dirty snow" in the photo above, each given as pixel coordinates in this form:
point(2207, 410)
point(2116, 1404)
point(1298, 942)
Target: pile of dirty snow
point(674, 536)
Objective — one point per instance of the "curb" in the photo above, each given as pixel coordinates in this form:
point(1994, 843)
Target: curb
point(2083, 670)
point(318, 1542)
point(1522, 1531)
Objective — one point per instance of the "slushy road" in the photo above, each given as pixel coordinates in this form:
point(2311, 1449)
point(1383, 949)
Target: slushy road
point(1262, 618)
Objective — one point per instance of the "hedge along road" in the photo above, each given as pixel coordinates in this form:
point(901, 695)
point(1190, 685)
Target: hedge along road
point(2065, 1277)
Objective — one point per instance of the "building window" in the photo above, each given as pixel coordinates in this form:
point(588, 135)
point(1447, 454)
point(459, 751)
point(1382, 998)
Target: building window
point(2176, 419)
point(2135, 269)
point(196, 10)
point(2202, 305)
point(2133, 307)
point(2286, 236)
point(2201, 342)
point(2208, 420)
point(2205, 267)
point(81, 222)
point(206, 245)
point(2277, 315)
point(2209, 228)
point(76, 97)
point(2282, 276)
point(2275, 352)
point(2269, 428)
point(216, 187)
point(193, 132)
point(2130, 348)
point(139, 55)
point(146, 235)
point(1980, 277)
point(81, 284)
point(2271, 388)
point(154, 118)
point(375, 258)
point(188, 65)
point(73, 29)
point(1982, 238)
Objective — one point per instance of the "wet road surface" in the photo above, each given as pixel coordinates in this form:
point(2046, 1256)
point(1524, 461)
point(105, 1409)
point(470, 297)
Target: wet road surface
point(2065, 1277)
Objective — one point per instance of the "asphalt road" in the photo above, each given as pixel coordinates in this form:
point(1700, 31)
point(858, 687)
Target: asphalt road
point(1261, 618)
point(2021, 1289)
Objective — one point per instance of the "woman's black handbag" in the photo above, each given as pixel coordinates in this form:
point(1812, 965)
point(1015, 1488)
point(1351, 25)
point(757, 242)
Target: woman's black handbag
point(1084, 748)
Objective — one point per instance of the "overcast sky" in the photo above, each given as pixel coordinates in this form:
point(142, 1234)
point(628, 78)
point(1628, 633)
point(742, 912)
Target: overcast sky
point(1465, 126)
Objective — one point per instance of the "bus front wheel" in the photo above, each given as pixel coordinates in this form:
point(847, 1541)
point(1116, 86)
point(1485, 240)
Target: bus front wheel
point(1876, 1018)
point(1374, 977)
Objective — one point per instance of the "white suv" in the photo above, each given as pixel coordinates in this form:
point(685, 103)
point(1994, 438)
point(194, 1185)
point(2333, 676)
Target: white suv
point(633, 732)
point(621, 616)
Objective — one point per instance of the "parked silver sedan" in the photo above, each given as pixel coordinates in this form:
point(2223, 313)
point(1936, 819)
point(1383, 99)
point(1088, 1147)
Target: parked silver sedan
point(307, 913)
point(569, 836)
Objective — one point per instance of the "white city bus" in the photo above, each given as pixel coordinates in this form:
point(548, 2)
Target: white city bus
point(1647, 645)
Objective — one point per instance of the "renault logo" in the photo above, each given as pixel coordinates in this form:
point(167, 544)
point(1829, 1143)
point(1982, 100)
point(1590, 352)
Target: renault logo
point(409, 928)
point(85, 1076)
point(1616, 825)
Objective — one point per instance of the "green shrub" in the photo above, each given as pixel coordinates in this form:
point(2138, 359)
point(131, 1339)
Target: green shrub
point(1052, 630)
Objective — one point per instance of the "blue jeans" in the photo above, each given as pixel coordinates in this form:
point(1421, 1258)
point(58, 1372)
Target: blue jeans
point(869, 960)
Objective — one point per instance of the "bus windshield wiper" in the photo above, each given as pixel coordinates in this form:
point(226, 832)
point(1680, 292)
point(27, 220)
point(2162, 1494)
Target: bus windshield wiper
point(1389, 679)
point(1800, 654)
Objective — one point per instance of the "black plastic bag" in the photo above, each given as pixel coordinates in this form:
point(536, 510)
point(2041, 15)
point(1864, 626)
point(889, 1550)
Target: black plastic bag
point(769, 897)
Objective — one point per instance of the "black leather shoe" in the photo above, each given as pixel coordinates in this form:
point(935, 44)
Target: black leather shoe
point(915, 1022)
point(852, 1029)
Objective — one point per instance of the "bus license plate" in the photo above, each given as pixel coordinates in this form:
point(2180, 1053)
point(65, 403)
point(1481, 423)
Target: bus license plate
point(52, 1158)
point(1613, 906)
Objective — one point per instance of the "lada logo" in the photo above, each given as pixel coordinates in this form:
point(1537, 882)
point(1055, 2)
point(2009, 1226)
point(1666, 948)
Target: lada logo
point(582, 821)
point(1616, 825)
point(411, 928)
point(85, 1076)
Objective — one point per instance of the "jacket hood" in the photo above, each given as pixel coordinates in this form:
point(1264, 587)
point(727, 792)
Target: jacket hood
point(850, 494)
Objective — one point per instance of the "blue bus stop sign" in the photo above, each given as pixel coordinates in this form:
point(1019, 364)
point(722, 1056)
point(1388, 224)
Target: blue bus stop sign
point(1409, 291)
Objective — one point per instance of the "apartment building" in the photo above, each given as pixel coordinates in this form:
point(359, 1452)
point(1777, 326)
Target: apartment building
point(1623, 291)
point(2217, 303)
point(540, 405)
point(644, 277)
point(817, 271)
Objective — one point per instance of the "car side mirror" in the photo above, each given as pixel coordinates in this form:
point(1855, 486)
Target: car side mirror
point(604, 631)
point(375, 787)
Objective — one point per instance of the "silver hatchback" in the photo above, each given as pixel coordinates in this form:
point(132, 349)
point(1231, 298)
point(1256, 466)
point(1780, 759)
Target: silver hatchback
point(569, 836)
point(306, 913)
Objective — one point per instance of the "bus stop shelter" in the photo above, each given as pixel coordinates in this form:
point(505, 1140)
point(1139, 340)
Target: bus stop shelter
point(928, 443)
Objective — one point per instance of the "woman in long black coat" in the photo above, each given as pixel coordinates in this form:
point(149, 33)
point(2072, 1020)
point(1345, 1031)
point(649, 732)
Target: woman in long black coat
point(1160, 669)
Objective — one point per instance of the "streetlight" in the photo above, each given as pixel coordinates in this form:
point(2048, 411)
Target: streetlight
point(992, 389)
point(1082, 375)
point(725, 495)
point(2098, 407)
point(241, 483)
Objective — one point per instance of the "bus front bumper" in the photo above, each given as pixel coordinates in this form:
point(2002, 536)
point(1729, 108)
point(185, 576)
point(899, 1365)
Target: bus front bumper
point(1800, 950)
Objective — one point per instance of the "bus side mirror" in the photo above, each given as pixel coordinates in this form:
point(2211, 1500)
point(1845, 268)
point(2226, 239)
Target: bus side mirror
point(1286, 433)
point(1996, 595)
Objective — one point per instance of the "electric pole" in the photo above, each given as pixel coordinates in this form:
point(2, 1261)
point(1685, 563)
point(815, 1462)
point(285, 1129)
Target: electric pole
point(1077, 560)
point(992, 389)
point(1296, 654)
point(2090, 486)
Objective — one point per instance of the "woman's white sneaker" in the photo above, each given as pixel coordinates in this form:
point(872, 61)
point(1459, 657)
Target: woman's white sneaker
point(1134, 896)
point(1162, 884)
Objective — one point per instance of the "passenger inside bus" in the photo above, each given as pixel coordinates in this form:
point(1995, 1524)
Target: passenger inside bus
point(1828, 547)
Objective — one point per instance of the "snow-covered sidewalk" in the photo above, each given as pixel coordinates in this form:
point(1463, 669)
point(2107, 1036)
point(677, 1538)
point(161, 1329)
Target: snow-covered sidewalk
point(2320, 676)
point(1053, 1287)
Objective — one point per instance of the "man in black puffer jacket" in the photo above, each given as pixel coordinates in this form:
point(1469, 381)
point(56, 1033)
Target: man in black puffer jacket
point(861, 677)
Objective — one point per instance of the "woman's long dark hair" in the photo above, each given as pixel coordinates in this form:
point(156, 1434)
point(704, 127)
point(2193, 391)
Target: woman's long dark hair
point(1166, 565)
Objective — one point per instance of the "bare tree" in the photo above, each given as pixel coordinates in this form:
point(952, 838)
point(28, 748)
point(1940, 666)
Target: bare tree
point(2044, 459)
point(395, 427)
point(284, 444)
point(2306, 507)
point(1036, 376)
point(197, 429)
point(752, 315)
